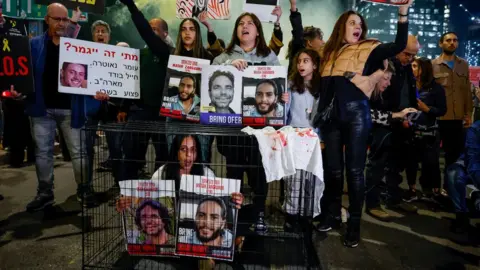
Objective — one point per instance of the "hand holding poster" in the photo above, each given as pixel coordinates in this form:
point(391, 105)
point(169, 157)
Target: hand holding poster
point(216, 9)
point(148, 215)
point(181, 97)
point(207, 217)
point(221, 96)
point(90, 6)
point(88, 67)
point(16, 64)
point(389, 2)
point(263, 87)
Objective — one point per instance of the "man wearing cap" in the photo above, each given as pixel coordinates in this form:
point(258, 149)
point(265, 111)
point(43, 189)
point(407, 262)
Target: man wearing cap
point(401, 94)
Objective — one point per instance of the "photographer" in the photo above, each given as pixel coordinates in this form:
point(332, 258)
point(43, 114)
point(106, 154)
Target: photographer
point(431, 104)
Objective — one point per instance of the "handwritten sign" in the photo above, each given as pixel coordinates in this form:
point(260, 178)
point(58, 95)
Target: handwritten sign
point(88, 67)
point(221, 96)
point(181, 96)
point(89, 6)
point(216, 9)
point(202, 197)
point(475, 76)
point(389, 2)
point(263, 87)
point(16, 64)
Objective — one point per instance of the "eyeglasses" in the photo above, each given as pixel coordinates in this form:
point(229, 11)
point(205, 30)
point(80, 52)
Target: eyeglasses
point(60, 19)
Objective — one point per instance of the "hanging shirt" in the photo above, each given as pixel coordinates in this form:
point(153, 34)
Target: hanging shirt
point(288, 149)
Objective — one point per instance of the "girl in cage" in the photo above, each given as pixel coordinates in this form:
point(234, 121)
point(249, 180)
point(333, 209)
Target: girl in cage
point(351, 67)
point(303, 82)
point(247, 47)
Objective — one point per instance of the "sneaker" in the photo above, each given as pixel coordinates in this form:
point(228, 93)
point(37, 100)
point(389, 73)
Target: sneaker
point(88, 199)
point(352, 238)
point(380, 214)
point(328, 223)
point(260, 226)
point(405, 207)
point(410, 196)
point(40, 202)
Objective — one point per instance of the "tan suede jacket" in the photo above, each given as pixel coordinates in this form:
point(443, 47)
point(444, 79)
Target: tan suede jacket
point(457, 87)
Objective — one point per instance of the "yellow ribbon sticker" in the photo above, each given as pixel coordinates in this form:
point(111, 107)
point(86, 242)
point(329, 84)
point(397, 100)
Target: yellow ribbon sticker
point(5, 45)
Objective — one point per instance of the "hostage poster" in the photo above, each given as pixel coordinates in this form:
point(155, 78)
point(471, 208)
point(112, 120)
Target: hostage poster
point(221, 96)
point(263, 87)
point(148, 215)
point(389, 2)
point(207, 218)
point(88, 67)
point(16, 64)
point(181, 96)
point(216, 9)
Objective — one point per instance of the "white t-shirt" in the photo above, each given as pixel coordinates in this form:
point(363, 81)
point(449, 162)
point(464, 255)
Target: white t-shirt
point(206, 172)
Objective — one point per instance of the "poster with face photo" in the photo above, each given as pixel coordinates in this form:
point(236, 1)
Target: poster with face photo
point(215, 9)
point(389, 2)
point(221, 96)
point(148, 215)
point(207, 217)
point(263, 87)
point(181, 96)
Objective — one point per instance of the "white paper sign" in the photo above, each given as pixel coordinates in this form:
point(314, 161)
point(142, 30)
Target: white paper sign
point(212, 186)
point(154, 188)
point(88, 67)
point(262, 8)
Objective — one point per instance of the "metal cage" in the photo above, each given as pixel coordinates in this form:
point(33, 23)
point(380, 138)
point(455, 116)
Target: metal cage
point(135, 150)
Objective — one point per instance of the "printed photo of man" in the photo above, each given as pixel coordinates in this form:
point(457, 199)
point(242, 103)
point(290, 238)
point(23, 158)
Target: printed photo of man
point(221, 91)
point(267, 99)
point(199, 7)
point(187, 100)
point(153, 222)
point(211, 224)
point(73, 75)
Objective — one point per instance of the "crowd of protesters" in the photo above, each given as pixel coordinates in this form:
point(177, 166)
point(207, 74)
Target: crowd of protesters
point(381, 110)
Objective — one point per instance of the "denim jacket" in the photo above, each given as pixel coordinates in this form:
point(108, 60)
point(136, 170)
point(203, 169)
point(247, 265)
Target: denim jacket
point(81, 106)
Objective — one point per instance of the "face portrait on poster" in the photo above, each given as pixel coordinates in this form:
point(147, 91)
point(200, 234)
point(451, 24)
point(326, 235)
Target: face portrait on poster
point(216, 9)
point(263, 87)
point(207, 218)
point(181, 96)
point(89, 67)
point(389, 2)
point(221, 96)
point(148, 216)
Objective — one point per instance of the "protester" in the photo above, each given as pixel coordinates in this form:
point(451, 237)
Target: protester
point(349, 92)
point(452, 72)
point(247, 47)
point(381, 144)
point(49, 109)
point(302, 37)
point(426, 145)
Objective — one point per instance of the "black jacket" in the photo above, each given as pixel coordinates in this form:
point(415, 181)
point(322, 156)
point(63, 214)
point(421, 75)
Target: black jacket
point(434, 98)
point(393, 93)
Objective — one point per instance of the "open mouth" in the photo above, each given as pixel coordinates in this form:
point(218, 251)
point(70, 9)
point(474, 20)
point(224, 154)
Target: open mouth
point(245, 33)
point(301, 70)
point(356, 35)
point(100, 40)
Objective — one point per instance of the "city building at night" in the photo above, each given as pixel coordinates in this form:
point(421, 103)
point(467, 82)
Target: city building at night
point(472, 47)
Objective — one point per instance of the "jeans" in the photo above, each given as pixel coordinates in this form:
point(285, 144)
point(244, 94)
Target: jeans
point(351, 132)
point(114, 141)
point(457, 180)
point(135, 145)
point(43, 133)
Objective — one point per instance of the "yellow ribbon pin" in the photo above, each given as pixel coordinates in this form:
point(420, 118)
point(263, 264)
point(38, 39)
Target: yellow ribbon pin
point(5, 45)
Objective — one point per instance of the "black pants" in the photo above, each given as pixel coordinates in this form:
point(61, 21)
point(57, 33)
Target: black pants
point(17, 133)
point(242, 155)
point(351, 132)
point(452, 134)
point(427, 151)
point(135, 144)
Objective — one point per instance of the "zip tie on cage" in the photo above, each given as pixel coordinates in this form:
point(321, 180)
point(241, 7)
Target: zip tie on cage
point(6, 47)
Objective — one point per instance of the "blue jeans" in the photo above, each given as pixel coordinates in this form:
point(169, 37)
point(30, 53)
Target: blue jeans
point(43, 133)
point(457, 181)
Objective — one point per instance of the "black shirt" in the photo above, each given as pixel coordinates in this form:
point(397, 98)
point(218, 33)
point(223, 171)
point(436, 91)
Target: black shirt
point(53, 99)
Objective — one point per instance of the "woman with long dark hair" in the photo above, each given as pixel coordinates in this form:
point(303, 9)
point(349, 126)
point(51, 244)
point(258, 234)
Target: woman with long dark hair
point(432, 104)
point(351, 67)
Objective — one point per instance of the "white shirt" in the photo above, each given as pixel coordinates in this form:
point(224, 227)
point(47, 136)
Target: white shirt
point(206, 172)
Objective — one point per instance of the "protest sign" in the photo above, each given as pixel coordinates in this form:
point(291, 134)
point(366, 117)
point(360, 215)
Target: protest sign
point(216, 9)
point(202, 198)
point(89, 6)
point(88, 67)
point(13, 27)
point(475, 76)
point(262, 8)
point(221, 101)
point(389, 2)
point(148, 216)
point(263, 87)
point(181, 96)
point(16, 64)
